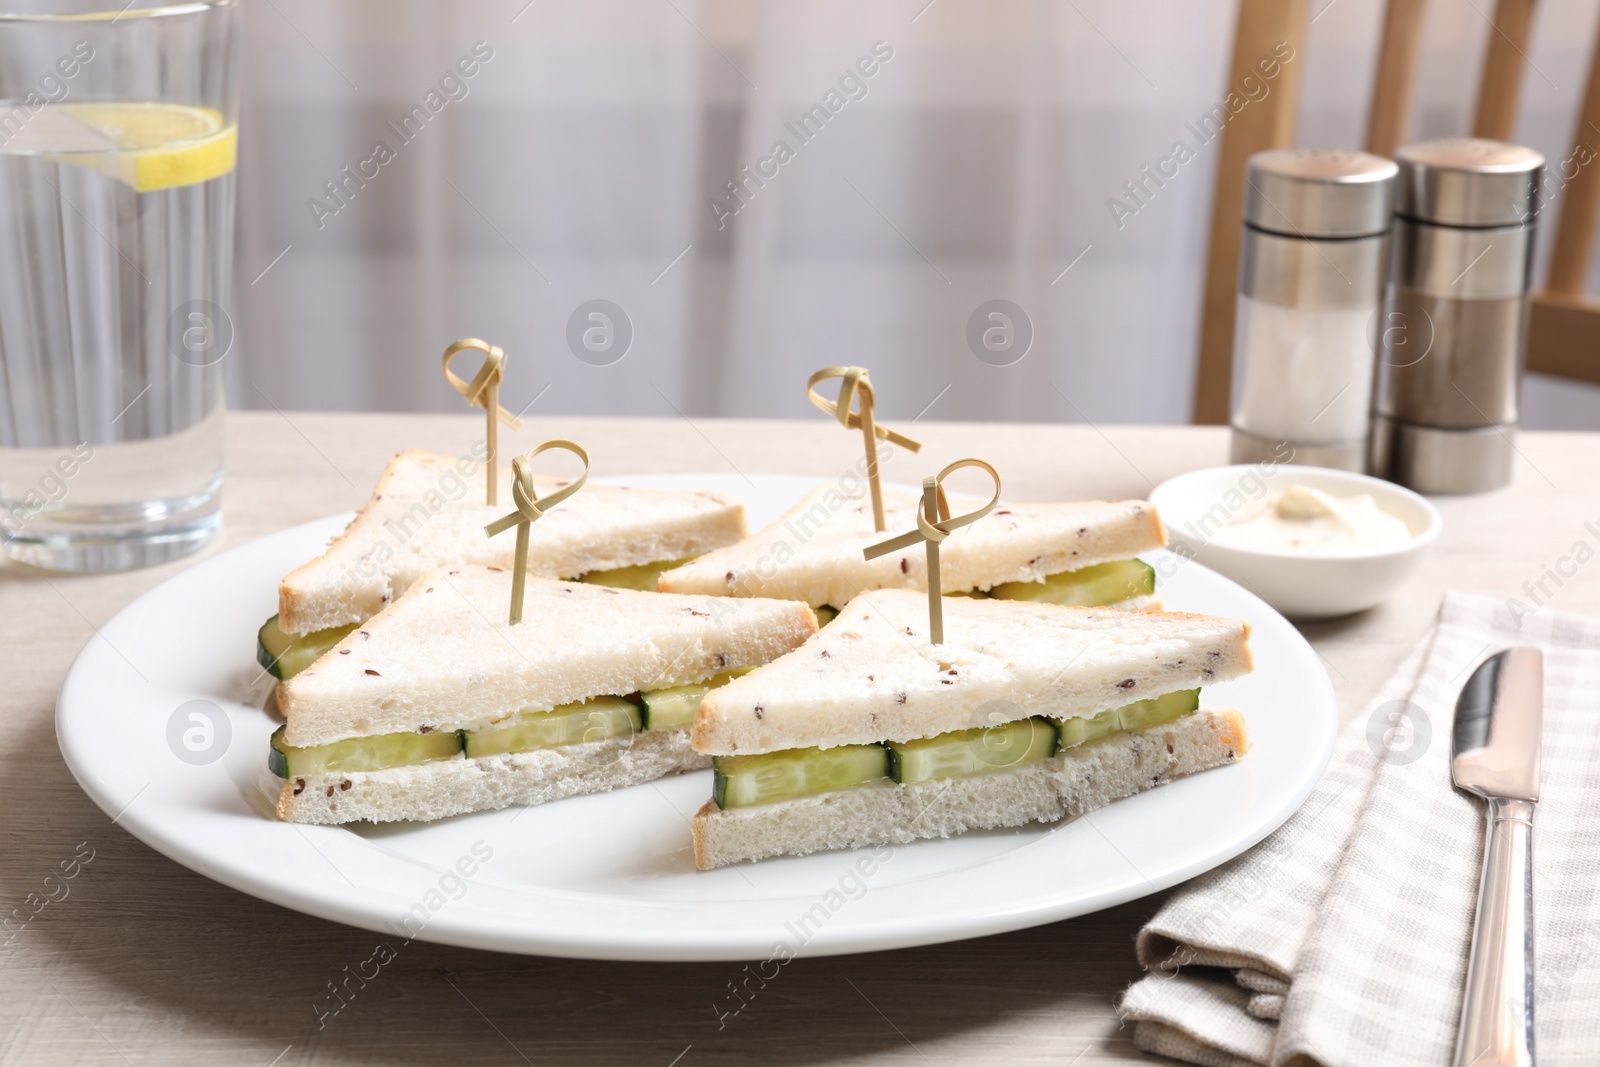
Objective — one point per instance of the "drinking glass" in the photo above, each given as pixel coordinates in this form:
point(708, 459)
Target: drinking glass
point(118, 136)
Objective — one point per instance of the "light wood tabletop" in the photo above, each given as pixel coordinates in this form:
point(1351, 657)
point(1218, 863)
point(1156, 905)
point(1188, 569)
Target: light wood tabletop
point(144, 961)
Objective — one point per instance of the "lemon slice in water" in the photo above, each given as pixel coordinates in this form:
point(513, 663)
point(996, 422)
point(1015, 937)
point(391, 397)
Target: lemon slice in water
point(153, 146)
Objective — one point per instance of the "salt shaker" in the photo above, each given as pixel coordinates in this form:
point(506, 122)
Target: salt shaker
point(1311, 273)
point(1451, 349)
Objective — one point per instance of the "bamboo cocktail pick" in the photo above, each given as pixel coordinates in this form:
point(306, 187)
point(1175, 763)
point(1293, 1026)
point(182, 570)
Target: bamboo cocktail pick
point(530, 508)
point(484, 392)
point(934, 524)
point(856, 383)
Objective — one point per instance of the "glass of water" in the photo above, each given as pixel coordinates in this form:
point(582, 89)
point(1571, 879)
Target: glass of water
point(118, 136)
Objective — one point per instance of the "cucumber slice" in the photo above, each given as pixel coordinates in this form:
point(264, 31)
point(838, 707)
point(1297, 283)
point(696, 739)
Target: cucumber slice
point(674, 708)
point(286, 655)
point(826, 614)
point(642, 576)
point(796, 772)
point(1079, 730)
point(375, 753)
point(570, 724)
point(963, 753)
point(1157, 711)
point(1087, 587)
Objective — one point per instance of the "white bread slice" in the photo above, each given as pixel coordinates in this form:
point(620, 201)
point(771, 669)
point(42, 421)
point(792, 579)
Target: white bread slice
point(1069, 784)
point(427, 511)
point(444, 656)
point(442, 788)
point(872, 675)
point(813, 553)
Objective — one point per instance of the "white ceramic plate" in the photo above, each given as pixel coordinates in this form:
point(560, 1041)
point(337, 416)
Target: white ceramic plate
point(612, 876)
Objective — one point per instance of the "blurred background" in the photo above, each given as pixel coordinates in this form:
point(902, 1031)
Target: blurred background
point(588, 157)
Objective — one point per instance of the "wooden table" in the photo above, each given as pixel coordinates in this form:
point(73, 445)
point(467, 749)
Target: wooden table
point(147, 962)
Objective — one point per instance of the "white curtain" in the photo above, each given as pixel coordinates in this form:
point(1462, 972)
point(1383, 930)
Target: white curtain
point(582, 157)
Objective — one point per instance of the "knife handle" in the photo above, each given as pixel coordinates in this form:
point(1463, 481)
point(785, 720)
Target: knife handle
point(1497, 1010)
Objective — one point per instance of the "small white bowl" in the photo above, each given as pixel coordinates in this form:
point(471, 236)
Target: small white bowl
point(1193, 506)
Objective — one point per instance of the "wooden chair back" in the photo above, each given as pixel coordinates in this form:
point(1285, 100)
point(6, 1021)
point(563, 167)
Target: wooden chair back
point(1564, 322)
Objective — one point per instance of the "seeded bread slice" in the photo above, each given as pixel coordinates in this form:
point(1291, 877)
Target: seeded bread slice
point(443, 655)
point(1065, 786)
point(872, 674)
point(442, 788)
point(813, 553)
point(428, 511)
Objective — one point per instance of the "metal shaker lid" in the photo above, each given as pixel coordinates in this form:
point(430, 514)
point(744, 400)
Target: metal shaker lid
point(1319, 192)
point(1467, 181)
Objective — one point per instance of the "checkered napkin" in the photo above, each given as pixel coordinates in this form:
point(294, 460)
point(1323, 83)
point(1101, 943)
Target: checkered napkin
point(1342, 939)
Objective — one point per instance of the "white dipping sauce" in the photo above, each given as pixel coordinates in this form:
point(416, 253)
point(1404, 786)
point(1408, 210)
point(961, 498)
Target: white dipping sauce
point(1310, 522)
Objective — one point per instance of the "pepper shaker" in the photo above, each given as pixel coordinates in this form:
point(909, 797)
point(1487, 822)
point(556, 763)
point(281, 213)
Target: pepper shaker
point(1451, 350)
point(1311, 270)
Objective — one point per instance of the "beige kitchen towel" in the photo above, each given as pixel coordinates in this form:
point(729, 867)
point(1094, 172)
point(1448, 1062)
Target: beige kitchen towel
point(1342, 939)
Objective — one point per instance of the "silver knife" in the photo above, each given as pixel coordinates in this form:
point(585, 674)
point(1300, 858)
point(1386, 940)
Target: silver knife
point(1494, 753)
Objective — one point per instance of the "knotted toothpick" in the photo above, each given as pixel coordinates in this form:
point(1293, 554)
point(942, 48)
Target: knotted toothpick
point(856, 383)
point(934, 524)
point(484, 392)
point(530, 508)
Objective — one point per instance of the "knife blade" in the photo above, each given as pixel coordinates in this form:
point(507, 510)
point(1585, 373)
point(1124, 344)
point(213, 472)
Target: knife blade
point(1494, 754)
point(1499, 718)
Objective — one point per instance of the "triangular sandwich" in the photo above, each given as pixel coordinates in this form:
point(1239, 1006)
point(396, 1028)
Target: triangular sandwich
point(436, 706)
point(869, 734)
point(1079, 553)
point(428, 511)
